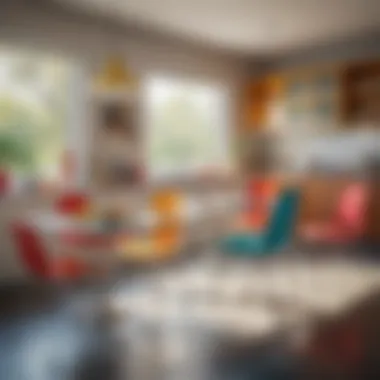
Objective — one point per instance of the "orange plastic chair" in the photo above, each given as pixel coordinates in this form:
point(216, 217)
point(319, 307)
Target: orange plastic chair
point(166, 235)
point(166, 238)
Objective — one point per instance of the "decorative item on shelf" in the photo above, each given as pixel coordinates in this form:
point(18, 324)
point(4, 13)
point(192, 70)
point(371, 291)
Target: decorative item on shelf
point(115, 76)
point(117, 117)
point(121, 173)
point(75, 204)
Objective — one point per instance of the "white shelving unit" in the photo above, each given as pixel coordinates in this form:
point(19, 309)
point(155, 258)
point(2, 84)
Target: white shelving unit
point(116, 159)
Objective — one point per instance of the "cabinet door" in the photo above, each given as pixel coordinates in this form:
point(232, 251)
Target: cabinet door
point(259, 97)
point(373, 213)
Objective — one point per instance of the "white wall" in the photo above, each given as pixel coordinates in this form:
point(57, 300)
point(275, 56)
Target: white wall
point(89, 40)
point(365, 47)
point(345, 150)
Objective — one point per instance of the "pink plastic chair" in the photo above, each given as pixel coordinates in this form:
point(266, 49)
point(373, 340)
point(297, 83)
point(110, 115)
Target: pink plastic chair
point(348, 223)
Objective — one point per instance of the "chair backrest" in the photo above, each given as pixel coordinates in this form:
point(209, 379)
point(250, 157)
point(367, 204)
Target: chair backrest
point(166, 238)
point(31, 250)
point(283, 219)
point(352, 207)
point(260, 192)
point(166, 234)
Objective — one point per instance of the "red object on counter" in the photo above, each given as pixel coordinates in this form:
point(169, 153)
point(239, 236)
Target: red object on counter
point(72, 203)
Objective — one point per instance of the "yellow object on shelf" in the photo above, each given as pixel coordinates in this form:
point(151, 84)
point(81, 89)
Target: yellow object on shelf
point(115, 75)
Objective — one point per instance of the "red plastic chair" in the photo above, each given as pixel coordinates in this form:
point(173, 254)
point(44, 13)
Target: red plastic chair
point(37, 261)
point(259, 194)
point(348, 223)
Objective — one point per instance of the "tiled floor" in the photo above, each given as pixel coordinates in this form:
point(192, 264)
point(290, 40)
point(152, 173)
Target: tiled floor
point(50, 334)
point(46, 334)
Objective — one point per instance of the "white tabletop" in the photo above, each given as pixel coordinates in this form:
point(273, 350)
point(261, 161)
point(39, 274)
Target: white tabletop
point(193, 214)
point(252, 299)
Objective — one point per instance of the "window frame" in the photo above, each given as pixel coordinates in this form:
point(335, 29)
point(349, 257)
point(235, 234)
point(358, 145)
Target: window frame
point(226, 123)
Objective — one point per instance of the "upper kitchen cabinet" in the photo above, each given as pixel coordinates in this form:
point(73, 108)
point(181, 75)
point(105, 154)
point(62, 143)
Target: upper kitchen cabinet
point(334, 95)
point(361, 93)
point(312, 97)
point(258, 98)
point(296, 97)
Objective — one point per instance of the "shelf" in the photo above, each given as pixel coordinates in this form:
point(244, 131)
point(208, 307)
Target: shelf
point(115, 95)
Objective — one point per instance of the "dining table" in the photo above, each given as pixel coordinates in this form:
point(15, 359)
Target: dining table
point(97, 239)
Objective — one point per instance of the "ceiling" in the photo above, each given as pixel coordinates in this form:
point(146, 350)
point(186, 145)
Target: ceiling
point(255, 27)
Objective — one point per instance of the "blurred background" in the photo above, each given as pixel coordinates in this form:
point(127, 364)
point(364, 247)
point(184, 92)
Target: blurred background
point(203, 176)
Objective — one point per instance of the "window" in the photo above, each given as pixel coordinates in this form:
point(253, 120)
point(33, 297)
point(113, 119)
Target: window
point(33, 113)
point(187, 128)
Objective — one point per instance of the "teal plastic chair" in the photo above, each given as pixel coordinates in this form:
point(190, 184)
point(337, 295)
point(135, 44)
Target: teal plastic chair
point(277, 233)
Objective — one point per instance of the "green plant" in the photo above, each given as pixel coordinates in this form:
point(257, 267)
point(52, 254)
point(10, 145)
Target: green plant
point(15, 152)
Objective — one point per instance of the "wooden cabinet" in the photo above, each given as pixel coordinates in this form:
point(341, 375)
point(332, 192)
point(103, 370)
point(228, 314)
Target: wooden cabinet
point(373, 230)
point(312, 97)
point(348, 93)
point(361, 92)
point(320, 197)
point(373, 211)
point(305, 96)
point(258, 96)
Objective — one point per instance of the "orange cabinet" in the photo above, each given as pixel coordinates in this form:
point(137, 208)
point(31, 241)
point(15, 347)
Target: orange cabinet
point(257, 99)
